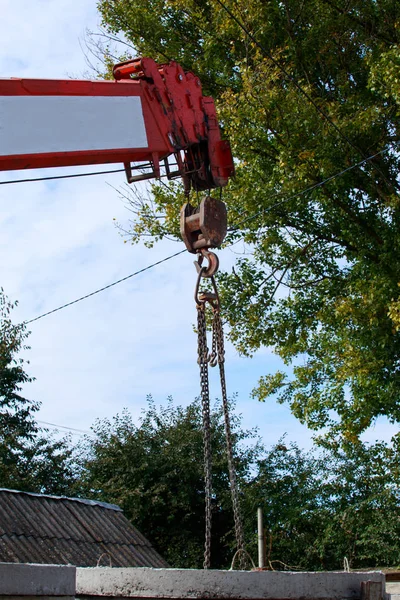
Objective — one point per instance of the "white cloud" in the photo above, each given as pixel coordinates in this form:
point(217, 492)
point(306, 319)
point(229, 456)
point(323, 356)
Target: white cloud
point(41, 38)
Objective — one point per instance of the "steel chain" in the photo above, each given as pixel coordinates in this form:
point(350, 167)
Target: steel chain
point(205, 401)
point(218, 332)
point(217, 355)
point(213, 356)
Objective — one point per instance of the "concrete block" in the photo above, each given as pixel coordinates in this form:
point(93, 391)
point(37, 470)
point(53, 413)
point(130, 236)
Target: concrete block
point(393, 587)
point(238, 585)
point(37, 580)
point(35, 597)
point(371, 590)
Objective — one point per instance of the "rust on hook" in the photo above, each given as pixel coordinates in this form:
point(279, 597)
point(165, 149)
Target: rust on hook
point(213, 263)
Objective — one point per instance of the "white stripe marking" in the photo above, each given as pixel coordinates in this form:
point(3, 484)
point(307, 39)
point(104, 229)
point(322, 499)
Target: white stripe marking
point(39, 124)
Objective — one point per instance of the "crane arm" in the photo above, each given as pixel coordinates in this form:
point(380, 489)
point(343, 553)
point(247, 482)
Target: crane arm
point(147, 115)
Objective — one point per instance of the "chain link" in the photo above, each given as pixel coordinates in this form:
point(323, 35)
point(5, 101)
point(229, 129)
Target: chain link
point(205, 401)
point(213, 356)
point(217, 356)
point(219, 336)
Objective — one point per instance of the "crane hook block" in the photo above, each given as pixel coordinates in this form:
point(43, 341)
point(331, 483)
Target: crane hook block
point(205, 226)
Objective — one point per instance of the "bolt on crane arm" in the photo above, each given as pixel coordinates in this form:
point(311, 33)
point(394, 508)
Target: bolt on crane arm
point(149, 114)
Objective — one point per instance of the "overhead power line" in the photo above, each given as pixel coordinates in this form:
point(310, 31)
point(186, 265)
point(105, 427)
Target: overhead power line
point(70, 176)
point(73, 175)
point(106, 287)
point(306, 190)
point(70, 429)
point(232, 229)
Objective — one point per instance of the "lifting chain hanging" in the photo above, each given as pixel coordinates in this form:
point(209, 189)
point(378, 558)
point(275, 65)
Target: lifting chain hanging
point(216, 356)
point(202, 229)
point(218, 334)
point(205, 402)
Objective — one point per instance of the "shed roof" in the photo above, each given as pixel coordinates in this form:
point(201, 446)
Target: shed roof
point(36, 528)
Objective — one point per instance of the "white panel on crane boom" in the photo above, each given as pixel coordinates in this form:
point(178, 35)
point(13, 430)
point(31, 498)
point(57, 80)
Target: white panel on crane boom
point(42, 124)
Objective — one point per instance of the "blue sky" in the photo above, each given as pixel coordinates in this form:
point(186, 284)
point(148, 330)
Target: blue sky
point(58, 242)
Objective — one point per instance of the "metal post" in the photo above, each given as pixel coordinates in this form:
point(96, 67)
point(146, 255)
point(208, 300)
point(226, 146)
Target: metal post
point(261, 539)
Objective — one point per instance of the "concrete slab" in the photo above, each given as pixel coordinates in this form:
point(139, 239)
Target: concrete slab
point(393, 587)
point(35, 597)
point(238, 585)
point(37, 580)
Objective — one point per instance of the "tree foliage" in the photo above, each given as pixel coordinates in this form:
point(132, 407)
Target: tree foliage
point(154, 471)
point(30, 460)
point(363, 498)
point(318, 507)
point(320, 281)
point(321, 507)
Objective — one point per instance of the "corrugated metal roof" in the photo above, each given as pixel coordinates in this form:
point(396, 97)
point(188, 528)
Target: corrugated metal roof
point(58, 530)
point(83, 500)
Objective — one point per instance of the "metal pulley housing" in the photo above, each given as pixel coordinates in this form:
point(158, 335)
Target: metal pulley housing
point(205, 226)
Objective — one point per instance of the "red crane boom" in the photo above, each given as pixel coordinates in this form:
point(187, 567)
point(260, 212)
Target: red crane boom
point(147, 115)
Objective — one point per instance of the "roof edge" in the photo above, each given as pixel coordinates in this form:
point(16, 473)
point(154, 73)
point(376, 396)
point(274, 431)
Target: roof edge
point(81, 500)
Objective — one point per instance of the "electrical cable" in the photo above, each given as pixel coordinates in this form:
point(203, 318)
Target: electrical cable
point(232, 229)
point(71, 429)
point(299, 88)
point(76, 431)
point(309, 189)
point(106, 287)
point(70, 176)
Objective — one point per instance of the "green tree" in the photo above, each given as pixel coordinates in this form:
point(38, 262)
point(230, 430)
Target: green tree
point(289, 488)
point(320, 507)
point(362, 494)
point(320, 283)
point(154, 471)
point(30, 460)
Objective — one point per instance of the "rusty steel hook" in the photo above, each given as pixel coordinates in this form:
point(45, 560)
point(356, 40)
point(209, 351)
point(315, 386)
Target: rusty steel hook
point(213, 263)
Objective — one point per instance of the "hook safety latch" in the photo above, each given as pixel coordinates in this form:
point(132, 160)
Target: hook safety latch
point(203, 227)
